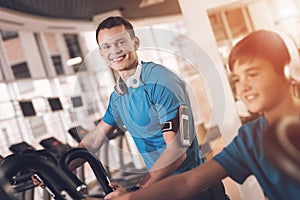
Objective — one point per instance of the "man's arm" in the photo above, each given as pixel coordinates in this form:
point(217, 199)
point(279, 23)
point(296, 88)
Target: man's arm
point(168, 162)
point(93, 141)
point(181, 186)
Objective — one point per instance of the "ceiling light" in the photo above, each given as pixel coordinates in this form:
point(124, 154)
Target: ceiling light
point(74, 61)
point(145, 3)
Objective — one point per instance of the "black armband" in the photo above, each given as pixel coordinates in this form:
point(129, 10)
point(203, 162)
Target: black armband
point(171, 125)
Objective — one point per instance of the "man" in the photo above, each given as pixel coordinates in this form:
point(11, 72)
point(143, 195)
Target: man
point(151, 102)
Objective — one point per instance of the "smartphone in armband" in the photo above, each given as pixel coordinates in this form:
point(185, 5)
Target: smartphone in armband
point(184, 125)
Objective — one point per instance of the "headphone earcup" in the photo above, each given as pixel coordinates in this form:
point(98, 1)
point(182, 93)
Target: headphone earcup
point(134, 81)
point(294, 70)
point(291, 70)
point(121, 88)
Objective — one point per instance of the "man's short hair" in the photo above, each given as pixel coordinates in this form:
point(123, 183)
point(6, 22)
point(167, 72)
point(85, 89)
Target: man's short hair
point(114, 21)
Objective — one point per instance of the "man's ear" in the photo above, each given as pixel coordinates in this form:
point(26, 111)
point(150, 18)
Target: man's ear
point(136, 43)
point(100, 51)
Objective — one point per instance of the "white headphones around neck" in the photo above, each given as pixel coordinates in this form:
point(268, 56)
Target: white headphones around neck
point(133, 81)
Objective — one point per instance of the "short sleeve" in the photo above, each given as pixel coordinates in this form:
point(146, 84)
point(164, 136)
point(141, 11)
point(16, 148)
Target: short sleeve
point(109, 117)
point(166, 103)
point(233, 159)
point(167, 91)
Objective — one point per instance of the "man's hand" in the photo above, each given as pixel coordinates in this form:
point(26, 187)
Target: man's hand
point(118, 190)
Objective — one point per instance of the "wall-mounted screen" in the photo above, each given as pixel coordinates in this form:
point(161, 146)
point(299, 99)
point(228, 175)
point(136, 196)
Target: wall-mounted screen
point(27, 108)
point(55, 103)
point(76, 101)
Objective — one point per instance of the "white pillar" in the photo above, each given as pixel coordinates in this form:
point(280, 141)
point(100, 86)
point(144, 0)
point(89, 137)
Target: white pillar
point(282, 9)
point(286, 17)
point(5, 66)
point(46, 55)
point(199, 29)
point(261, 15)
point(32, 54)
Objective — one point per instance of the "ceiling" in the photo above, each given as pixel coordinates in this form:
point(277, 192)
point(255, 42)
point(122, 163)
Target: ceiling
point(86, 9)
point(84, 15)
point(75, 15)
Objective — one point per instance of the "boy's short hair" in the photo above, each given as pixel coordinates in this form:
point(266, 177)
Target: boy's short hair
point(263, 44)
point(114, 21)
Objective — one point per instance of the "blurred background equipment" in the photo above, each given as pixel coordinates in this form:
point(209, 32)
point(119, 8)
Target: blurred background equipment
point(281, 145)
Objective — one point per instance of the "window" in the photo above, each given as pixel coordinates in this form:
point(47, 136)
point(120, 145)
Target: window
point(230, 24)
point(218, 26)
point(6, 35)
point(58, 64)
point(236, 22)
point(21, 70)
point(73, 45)
point(74, 50)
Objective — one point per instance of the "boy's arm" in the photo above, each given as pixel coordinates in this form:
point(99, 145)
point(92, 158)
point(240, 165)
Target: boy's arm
point(181, 186)
point(164, 166)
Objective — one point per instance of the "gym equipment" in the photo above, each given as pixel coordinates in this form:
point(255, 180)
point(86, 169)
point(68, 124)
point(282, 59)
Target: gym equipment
point(55, 146)
point(282, 148)
point(95, 164)
point(25, 148)
point(125, 178)
point(59, 185)
point(22, 182)
point(22, 147)
point(58, 149)
point(78, 132)
point(4, 192)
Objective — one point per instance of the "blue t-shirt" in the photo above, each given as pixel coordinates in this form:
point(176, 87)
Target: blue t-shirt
point(244, 157)
point(142, 110)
